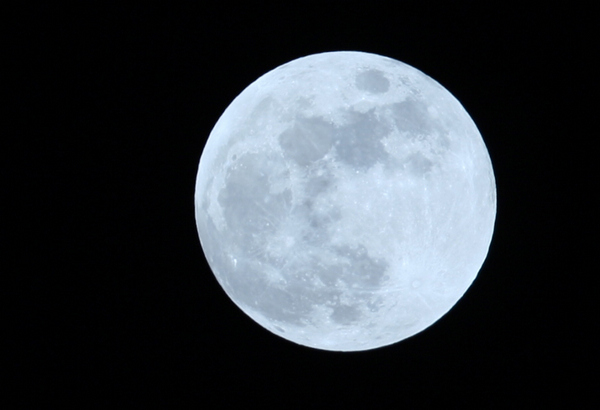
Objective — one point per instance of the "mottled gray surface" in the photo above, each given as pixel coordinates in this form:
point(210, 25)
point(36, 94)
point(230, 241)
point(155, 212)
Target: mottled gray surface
point(345, 201)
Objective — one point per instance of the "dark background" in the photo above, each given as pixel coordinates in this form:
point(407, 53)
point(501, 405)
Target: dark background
point(110, 108)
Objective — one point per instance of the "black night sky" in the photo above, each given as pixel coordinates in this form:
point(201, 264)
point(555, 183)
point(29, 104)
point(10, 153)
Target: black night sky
point(111, 300)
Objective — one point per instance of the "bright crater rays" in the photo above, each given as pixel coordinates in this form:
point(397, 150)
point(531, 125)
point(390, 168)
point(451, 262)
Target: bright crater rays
point(345, 201)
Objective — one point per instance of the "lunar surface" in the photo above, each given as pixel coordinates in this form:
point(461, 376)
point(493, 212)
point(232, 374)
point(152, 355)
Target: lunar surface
point(345, 201)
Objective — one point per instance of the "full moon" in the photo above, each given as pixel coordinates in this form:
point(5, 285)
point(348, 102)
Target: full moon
point(345, 201)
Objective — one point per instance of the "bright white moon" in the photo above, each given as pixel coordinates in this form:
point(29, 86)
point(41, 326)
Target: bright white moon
point(345, 201)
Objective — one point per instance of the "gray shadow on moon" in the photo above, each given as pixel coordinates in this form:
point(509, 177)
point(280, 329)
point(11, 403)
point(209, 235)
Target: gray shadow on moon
point(372, 81)
point(357, 143)
point(285, 285)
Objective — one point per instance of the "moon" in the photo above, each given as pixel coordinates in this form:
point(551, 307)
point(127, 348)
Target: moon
point(345, 201)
